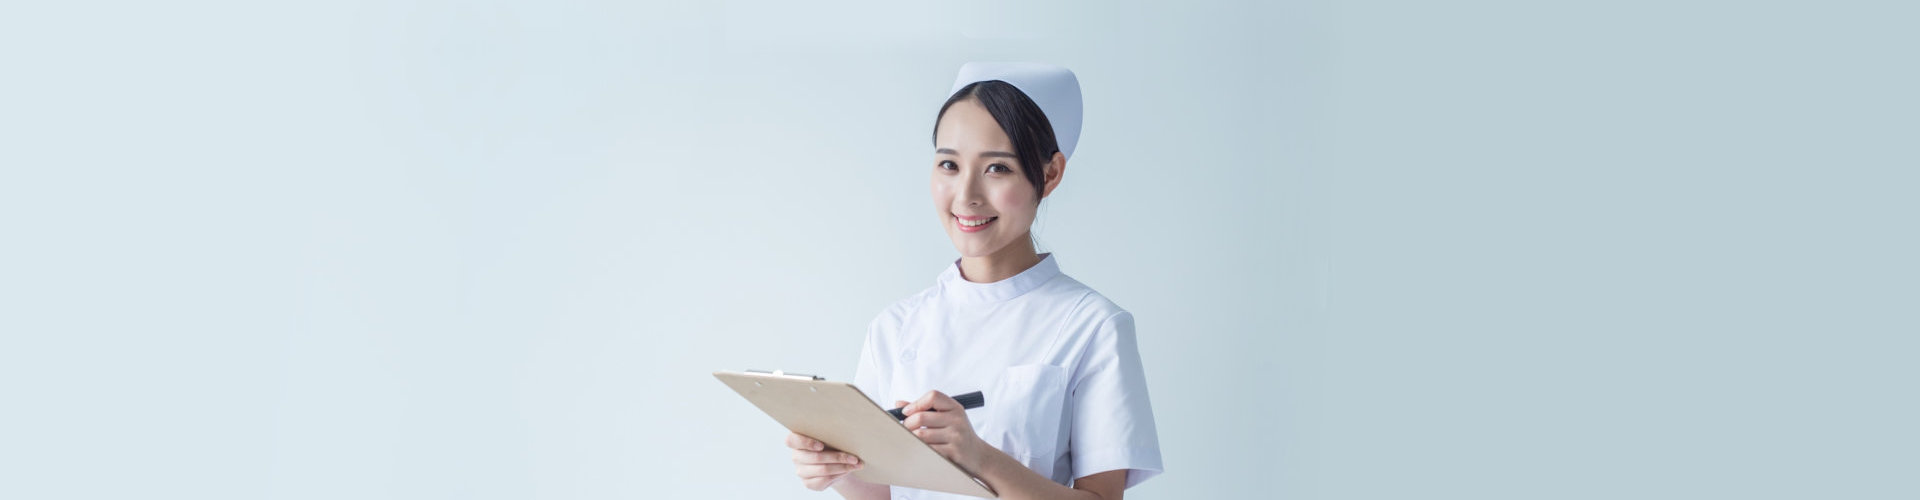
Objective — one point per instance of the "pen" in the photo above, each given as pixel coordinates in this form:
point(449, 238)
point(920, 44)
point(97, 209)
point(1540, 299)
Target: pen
point(968, 401)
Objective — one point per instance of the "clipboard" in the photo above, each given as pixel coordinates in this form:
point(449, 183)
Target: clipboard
point(838, 414)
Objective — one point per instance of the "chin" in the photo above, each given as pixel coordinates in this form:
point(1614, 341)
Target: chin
point(971, 253)
point(972, 249)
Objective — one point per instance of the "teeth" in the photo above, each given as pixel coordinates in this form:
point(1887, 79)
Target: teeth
point(974, 223)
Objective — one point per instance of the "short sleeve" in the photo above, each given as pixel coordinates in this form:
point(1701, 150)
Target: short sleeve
point(1112, 417)
point(870, 375)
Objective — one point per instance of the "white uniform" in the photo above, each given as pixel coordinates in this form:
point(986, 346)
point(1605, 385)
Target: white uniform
point(1060, 370)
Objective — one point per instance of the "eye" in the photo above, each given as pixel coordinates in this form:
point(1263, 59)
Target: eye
point(947, 165)
point(998, 169)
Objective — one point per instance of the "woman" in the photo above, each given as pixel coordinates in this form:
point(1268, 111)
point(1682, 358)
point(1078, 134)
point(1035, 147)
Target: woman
point(1067, 414)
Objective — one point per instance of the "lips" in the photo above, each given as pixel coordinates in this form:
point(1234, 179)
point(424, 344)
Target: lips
point(972, 224)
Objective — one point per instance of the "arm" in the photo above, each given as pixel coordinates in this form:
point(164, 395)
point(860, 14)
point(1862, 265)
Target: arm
point(855, 489)
point(942, 423)
point(820, 468)
point(1014, 481)
point(870, 376)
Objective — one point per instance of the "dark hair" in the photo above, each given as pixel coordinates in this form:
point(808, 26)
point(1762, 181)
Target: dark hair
point(1023, 121)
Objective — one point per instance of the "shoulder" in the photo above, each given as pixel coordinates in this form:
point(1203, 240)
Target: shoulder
point(1097, 332)
point(1087, 306)
point(1088, 321)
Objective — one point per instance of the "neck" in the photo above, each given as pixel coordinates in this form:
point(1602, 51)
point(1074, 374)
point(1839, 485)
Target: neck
point(1001, 264)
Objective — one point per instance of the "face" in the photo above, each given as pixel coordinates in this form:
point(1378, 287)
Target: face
point(980, 193)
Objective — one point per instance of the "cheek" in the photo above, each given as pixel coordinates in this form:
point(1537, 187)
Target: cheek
point(941, 192)
point(1015, 203)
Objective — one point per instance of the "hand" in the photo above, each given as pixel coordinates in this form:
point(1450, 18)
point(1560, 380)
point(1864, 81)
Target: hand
point(818, 467)
point(942, 423)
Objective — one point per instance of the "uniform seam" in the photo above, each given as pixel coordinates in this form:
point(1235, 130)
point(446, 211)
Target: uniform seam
point(1073, 381)
point(1059, 335)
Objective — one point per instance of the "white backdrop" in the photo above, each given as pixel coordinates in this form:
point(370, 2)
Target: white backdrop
point(1375, 249)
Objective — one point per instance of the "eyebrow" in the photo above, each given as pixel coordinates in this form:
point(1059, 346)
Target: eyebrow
point(983, 154)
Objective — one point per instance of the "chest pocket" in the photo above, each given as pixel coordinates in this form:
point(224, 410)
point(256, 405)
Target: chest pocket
point(1024, 414)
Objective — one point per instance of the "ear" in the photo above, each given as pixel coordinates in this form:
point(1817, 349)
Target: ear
point(1055, 170)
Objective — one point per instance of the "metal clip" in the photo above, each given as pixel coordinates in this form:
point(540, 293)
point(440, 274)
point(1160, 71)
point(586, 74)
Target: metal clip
point(781, 373)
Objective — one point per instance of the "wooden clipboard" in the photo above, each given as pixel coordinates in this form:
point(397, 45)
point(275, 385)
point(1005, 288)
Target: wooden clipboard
point(838, 414)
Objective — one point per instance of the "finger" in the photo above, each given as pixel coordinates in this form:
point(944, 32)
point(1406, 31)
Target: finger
point(802, 442)
point(819, 470)
point(822, 470)
point(807, 443)
point(917, 404)
point(900, 404)
point(938, 401)
point(943, 402)
point(923, 404)
point(928, 419)
point(804, 457)
point(933, 436)
point(797, 441)
point(914, 406)
point(821, 483)
point(932, 410)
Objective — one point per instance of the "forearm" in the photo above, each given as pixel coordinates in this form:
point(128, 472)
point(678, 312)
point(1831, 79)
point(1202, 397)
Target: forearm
point(1012, 480)
point(853, 488)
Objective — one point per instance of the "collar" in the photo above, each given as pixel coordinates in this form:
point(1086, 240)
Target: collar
point(959, 289)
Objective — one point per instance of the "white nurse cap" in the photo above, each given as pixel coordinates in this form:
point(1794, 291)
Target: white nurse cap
point(1052, 87)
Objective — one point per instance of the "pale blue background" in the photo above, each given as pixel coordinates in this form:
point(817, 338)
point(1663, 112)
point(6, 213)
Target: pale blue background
point(1377, 249)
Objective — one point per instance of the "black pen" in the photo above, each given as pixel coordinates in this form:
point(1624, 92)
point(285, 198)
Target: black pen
point(968, 401)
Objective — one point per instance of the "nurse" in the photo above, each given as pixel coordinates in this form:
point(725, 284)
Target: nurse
point(1067, 414)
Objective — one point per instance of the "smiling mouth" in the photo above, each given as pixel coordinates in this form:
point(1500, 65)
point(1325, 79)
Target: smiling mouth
point(976, 224)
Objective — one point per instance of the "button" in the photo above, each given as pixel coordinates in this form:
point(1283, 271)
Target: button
point(906, 356)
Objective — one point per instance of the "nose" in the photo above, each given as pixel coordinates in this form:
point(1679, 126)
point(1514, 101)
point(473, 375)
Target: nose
point(971, 192)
